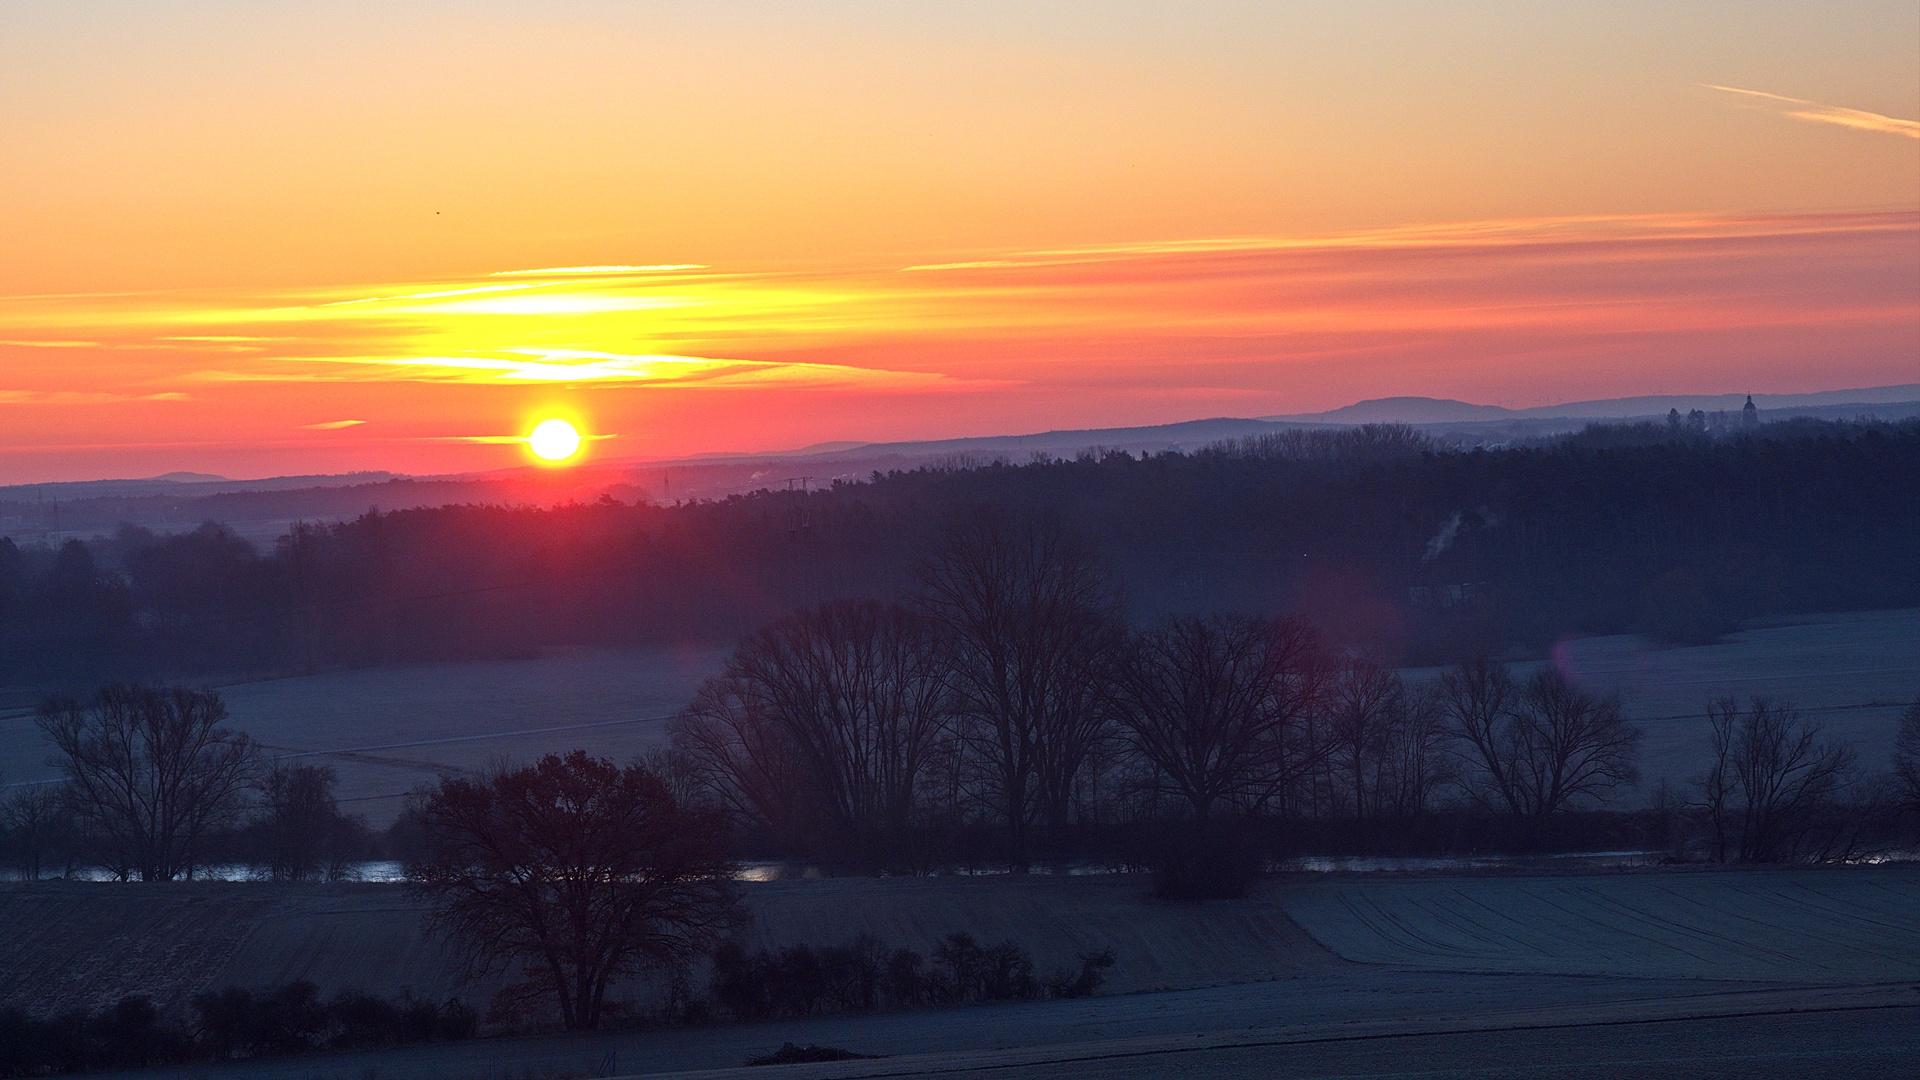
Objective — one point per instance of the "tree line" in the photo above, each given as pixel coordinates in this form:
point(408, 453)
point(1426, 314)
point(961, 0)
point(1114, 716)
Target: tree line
point(1009, 696)
point(580, 876)
point(1389, 542)
point(1007, 713)
point(155, 786)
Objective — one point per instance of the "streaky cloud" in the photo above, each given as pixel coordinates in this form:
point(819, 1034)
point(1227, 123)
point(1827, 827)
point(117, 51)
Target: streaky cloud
point(1837, 115)
point(571, 271)
point(575, 366)
point(331, 425)
point(1495, 233)
point(82, 397)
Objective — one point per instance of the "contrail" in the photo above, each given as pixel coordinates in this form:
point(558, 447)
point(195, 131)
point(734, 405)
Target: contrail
point(1814, 112)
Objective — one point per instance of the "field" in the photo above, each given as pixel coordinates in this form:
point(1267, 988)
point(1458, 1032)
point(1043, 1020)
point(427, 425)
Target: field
point(388, 729)
point(1852, 671)
point(82, 944)
point(1848, 925)
point(426, 718)
point(1236, 986)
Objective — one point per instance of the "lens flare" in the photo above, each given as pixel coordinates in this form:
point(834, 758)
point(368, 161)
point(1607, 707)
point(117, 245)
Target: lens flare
point(554, 440)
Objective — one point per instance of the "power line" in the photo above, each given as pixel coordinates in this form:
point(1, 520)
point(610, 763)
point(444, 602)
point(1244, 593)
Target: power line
point(473, 738)
point(422, 742)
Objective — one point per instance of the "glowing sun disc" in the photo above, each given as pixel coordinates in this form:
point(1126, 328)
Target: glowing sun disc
point(554, 440)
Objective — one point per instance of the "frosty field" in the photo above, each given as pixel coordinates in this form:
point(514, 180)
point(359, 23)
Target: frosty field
point(1853, 924)
point(386, 730)
point(442, 716)
point(1310, 958)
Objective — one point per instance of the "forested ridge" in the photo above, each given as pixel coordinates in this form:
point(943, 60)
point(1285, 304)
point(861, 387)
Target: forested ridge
point(1388, 543)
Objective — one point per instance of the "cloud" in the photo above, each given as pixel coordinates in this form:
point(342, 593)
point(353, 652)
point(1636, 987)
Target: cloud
point(429, 295)
point(577, 366)
point(1495, 233)
point(53, 344)
point(981, 264)
point(332, 425)
point(568, 271)
point(81, 397)
point(500, 440)
point(1840, 116)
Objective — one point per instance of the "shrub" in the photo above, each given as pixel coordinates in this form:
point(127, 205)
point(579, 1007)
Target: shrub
point(240, 1023)
point(1064, 985)
point(789, 1054)
point(1213, 865)
point(863, 975)
point(128, 1034)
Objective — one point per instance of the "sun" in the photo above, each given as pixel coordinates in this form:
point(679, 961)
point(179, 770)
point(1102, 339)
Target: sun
point(554, 440)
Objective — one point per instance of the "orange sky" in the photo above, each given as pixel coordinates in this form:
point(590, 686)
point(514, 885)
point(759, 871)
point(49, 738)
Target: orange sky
point(242, 239)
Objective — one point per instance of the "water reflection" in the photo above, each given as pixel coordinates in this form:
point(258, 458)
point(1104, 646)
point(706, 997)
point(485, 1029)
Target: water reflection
point(391, 871)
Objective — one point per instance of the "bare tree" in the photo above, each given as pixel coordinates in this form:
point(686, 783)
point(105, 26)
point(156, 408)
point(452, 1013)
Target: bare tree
point(151, 773)
point(1363, 703)
point(1031, 625)
point(579, 872)
point(1578, 744)
point(300, 833)
point(1209, 703)
point(852, 692)
point(1771, 771)
point(1541, 747)
point(40, 829)
point(751, 765)
point(1387, 744)
point(1480, 701)
point(1415, 764)
point(1906, 756)
point(1719, 784)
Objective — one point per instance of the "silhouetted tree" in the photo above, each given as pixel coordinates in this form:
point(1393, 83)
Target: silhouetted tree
point(299, 833)
point(1906, 756)
point(751, 766)
point(578, 872)
point(1771, 771)
point(1415, 763)
point(845, 701)
point(1212, 703)
point(40, 830)
point(1540, 747)
point(1364, 703)
point(1030, 625)
point(151, 773)
point(1480, 701)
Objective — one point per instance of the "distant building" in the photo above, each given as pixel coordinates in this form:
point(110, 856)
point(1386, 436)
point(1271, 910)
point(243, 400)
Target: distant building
point(1749, 415)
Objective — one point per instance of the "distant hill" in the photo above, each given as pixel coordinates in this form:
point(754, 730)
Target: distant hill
point(1403, 410)
point(187, 484)
point(262, 509)
point(1425, 410)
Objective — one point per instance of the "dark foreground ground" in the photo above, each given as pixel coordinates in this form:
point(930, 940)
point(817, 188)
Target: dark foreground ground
point(1865, 1045)
point(1770, 973)
point(1366, 1024)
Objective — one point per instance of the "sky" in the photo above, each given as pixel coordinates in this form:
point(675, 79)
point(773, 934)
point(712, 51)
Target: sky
point(265, 238)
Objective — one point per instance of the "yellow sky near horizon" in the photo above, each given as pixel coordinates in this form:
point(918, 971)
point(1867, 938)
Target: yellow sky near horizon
point(230, 229)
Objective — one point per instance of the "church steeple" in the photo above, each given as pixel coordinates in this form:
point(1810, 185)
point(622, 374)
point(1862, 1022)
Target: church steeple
point(1749, 415)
